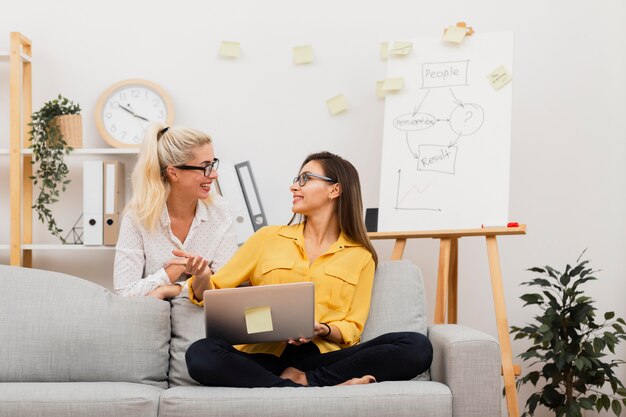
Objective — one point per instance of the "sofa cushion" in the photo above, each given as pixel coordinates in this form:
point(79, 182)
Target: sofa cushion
point(77, 399)
point(398, 304)
point(66, 329)
point(398, 399)
point(398, 301)
point(187, 327)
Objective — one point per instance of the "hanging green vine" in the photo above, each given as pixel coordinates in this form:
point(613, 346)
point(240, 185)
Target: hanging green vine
point(49, 147)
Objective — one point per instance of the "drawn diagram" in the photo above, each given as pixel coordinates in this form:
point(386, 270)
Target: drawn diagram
point(447, 136)
point(463, 119)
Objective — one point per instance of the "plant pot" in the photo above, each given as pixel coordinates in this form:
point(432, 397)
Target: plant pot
point(71, 128)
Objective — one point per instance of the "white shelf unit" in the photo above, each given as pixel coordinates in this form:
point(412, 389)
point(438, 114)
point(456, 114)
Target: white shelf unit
point(85, 151)
point(59, 246)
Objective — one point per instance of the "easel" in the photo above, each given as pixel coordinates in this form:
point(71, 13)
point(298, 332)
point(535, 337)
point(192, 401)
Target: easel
point(447, 285)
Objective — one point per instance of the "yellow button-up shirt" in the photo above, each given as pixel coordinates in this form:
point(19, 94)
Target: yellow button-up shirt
point(343, 278)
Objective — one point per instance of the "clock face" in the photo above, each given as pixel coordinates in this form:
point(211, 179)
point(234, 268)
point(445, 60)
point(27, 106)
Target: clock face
point(127, 108)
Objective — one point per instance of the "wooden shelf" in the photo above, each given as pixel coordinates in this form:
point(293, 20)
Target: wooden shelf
point(5, 56)
point(85, 151)
point(59, 246)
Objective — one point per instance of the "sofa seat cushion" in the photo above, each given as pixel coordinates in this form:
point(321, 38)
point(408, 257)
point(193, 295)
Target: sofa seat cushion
point(410, 399)
point(66, 329)
point(77, 399)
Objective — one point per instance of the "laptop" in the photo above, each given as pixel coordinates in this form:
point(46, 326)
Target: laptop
point(264, 313)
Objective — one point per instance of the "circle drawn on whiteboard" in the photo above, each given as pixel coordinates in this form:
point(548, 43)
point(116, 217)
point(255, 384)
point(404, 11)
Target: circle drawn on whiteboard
point(467, 119)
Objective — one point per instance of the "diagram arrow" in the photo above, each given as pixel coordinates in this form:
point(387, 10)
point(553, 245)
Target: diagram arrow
point(455, 141)
point(415, 155)
point(456, 100)
point(419, 106)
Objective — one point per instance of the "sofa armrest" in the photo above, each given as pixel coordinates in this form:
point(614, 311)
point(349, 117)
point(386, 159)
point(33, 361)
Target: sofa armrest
point(468, 362)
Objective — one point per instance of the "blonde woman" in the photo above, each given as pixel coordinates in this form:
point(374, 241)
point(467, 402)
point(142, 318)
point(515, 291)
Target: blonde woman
point(171, 210)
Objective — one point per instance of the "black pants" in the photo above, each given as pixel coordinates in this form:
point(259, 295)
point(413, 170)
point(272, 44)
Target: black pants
point(392, 356)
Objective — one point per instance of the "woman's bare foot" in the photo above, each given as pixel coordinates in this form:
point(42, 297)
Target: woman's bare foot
point(295, 375)
point(366, 379)
point(165, 292)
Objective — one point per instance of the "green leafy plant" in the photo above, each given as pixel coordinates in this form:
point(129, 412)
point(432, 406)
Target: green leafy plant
point(570, 345)
point(49, 147)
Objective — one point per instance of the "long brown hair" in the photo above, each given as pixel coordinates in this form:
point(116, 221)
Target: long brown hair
point(349, 206)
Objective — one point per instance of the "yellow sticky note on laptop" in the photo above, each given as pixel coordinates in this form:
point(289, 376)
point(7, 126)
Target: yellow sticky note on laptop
point(230, 49)
point(337, 104)
point(393, 84)
point(455, 34)
point(499, 77)
point(302, 54)
point(259, 319)
point(401, 48)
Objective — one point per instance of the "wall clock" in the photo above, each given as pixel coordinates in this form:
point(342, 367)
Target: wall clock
point(125, 109)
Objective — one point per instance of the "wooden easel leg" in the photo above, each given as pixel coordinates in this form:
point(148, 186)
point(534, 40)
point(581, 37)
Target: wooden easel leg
point(503, 326)
point(398, 249)
point(443, 278)
point(453, 281)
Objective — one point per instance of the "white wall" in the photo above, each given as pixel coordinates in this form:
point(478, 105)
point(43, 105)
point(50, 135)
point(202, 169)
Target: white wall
point(568, 178)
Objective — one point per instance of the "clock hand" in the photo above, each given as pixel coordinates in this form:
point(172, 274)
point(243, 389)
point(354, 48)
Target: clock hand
point(134, 114)
point(127, 110)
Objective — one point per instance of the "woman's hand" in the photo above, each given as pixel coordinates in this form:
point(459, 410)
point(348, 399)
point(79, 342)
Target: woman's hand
point(194, 265)
point(201, 282)
point(319, 330)
point(165, 292)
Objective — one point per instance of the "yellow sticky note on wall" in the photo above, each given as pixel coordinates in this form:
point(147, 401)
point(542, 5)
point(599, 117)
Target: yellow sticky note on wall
point(337, 104)
point(455, 34)
point(499, 77)
point(401, 48)
point(380, 93)
point(303, 54)
point(259, 319)
point(393, 84)
point(384, 50)
point(230, 49)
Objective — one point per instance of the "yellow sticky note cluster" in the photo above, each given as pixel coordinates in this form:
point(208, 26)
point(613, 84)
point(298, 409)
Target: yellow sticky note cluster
point(259, 319)
point(401, 48)
point(230, 49)
point(302, 54)
point(499, 77)
point(455, 34)
point(337, 104)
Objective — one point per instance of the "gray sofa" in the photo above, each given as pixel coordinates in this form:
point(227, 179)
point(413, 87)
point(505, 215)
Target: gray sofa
point(69, 347)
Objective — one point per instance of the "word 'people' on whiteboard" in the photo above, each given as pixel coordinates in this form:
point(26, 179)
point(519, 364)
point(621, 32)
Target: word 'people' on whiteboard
point(444, 74)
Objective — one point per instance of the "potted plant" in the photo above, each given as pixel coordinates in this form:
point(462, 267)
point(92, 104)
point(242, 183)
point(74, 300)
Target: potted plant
point(569, 345)
point(49, 135)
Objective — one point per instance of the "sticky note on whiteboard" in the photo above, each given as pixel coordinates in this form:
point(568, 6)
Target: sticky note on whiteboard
point(259, 319)
point(499, 77)
point(455, 34)
point(302, 54)
point(337, 104)
point(393, 84)
point(230, 49)
point(401, 48)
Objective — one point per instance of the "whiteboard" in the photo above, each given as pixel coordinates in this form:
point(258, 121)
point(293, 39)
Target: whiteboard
point(447, 133)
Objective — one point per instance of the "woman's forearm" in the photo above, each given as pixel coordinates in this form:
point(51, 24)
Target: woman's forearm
point(199, 285)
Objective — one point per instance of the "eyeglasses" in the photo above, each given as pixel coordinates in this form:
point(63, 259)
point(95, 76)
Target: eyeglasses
point(303, 178)
point(213, 165)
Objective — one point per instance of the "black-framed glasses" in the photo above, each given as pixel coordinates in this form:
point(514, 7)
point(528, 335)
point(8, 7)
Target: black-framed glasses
point(303, 178)
point(213, 165)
